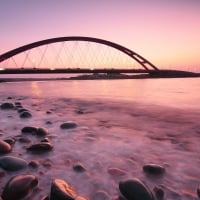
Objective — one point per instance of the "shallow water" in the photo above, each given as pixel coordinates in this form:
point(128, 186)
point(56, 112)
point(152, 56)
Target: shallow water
point(125, 124)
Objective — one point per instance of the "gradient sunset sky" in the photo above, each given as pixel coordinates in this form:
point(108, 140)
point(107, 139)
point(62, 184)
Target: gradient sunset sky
point(166, 32)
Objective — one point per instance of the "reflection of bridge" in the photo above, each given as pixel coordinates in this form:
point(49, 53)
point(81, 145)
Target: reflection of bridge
point(145, 67)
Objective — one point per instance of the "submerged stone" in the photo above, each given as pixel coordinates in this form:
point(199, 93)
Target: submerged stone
point(40, 147)
point(25, 114)
point(4, 147)
point(7, 105)
point(134, 189)
point(62, 190)
point(68, 125)
point(42, 132)
point(29, 130)
point(19, 187)
point(79, 167)
point(153, 169)
point(11, 163)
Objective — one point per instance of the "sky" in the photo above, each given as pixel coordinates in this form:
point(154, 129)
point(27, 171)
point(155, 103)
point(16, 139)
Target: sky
point(166, 32)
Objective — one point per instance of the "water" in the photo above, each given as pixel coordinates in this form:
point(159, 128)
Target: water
point(179, 93)
point(125, 124)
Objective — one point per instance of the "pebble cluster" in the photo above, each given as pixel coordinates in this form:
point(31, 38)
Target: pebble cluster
point(21, 186)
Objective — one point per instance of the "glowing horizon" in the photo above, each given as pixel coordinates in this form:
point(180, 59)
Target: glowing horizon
point(167, 34)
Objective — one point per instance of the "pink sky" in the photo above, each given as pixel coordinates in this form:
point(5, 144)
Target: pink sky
point(165, 32)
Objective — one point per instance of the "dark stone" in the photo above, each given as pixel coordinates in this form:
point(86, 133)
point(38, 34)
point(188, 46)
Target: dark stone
point(4, 147)
point(79, 168)
point(101, 195)
point(135, 190)
point(40, 147)
point(62, 191)
point(19, 187)
point(68, 125)
point(22, 110)
point(48, 112)
point(45, 140)
point(24, 140)
point(7, 105)
point(159, 193)
point(18, 103)
point(42, 132)
point(153, 169)
point(10, 141)
point(198, 191)
point(29, 130)
point(9, 98)
point(11, 163)
point(25, 114)
point(34, 164)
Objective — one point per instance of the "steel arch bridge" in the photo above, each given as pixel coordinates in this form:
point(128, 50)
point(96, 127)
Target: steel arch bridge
point(146, 65)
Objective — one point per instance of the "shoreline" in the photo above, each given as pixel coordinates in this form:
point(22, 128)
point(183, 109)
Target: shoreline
point(112, 142)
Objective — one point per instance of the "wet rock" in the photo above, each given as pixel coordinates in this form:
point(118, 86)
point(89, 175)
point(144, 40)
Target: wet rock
point(11, 163)
point(19, 187)
point(48, 122)
point(22, 110)
point(34, 164)
point(48, 112)
point(7, 105)
point(116, 172)
point(68, 125)
point(45, 198)
point(29, 130)
point(25, 114)
point(9, 98)
point(135, 189)
point(24, 140)
point(101, 195)
point(62, 191)
point(18, 103)
point(45, 140)
point(42, 132)
point(4, 147)
point(159, 193)
point(198, 191)
point(10, 141)
point(40, 147)
point(153, 169)
point(79, 167)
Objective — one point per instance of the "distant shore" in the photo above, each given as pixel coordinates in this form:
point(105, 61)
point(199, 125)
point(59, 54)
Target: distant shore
point(102, 77)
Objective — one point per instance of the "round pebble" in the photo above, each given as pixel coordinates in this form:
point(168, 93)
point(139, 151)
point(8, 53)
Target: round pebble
point(11, 163)
point(135, 189)
point(40, 147)
point(19, 187)
point(79, 168)
point(153, 169)
point(4, 147)
point(29, 130)
point(25, 114)
point(62, 190)
point(42, 132)
point(68, 125)
point(7, 105)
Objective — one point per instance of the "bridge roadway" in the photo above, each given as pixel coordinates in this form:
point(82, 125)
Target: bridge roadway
point(70, 70)
point(164, 73)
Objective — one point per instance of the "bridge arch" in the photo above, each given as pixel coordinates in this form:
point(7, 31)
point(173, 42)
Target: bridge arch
point(138, 58)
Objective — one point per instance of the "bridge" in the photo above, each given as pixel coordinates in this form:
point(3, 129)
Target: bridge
point(74, 55)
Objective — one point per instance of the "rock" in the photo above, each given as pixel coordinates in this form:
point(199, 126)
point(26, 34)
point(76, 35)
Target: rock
point(40, 147)
point(24, 140)
point(42, 132)
point(19, 187)
point(45, 140)
point(48, 112)
point(4, 147)
point(116, 172)
point(68, 125)
point(11, 163)
point(10, 141)
point(135, 190)
point(62, 190)
point(22, 110)
point(34, 164)
point(79, 167)
point(25, 114)
point(153, 169)
point(159, 193)
point(18, 103)
point(29, 130)
point(198, 191)
point(7, 105)
point(101, 195)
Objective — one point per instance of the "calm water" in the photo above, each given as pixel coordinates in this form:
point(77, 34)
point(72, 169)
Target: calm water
point(180, 93)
